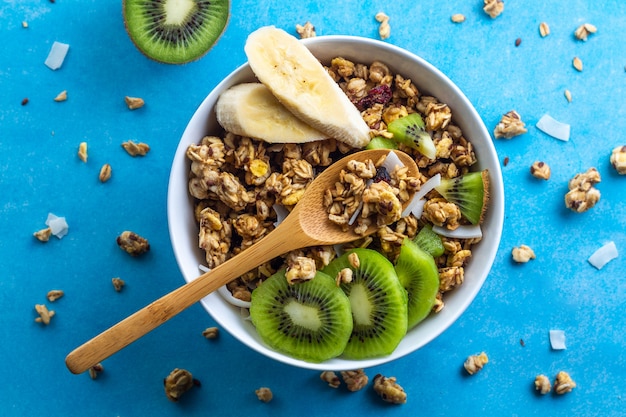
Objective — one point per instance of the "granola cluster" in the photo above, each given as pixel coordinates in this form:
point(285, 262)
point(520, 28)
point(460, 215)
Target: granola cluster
point(583, 194)
point(242, 187)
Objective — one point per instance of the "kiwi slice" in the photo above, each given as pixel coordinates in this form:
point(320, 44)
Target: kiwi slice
point(175, 32)
point(470, 192)
point(418, 274)
point(310, 321)
point(381, 142)
point(429, 241)
point(410, 130)
point(377, 300)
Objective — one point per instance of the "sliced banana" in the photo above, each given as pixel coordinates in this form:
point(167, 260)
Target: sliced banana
point(251, 110)
point(300, 82)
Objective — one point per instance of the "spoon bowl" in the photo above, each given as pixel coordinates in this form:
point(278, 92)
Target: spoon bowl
point(306, 225)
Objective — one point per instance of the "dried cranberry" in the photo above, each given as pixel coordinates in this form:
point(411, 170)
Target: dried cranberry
point(377, 95)
point(382, 175)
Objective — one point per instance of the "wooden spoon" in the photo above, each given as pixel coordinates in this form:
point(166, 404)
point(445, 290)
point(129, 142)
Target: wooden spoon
point(307, 225)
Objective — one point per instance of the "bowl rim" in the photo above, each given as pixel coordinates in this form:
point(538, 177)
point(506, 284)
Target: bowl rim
point(434, 325)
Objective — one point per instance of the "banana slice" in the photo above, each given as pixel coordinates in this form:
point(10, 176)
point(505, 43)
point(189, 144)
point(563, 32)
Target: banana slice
point(300, 83)
point(251, 110)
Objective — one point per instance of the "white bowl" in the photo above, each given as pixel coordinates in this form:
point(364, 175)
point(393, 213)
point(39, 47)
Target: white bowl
point(184, 231)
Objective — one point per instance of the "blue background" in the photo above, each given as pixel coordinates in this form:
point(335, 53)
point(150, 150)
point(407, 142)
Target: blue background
point(40, 173)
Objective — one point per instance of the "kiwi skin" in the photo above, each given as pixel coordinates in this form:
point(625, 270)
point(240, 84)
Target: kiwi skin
point(376, 292)
point(284, 313)
point(418, 273)
point(141, 17)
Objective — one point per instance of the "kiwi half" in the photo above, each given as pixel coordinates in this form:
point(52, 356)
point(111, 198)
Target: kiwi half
point(411, 131)
point(175, 31)
point(309, 320)
point(418, 274)
point(378, 303)
point(470, 192)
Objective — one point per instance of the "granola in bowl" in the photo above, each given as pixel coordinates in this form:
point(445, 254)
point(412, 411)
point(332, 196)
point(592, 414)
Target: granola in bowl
point(240, 187)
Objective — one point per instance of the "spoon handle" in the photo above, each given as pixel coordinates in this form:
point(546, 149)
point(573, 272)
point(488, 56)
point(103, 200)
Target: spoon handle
point(283, 239)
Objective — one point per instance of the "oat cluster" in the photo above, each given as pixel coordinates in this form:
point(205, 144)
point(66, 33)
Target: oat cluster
point(241, 185)
point(583, 194)
point(475, 363)
point(510, 125)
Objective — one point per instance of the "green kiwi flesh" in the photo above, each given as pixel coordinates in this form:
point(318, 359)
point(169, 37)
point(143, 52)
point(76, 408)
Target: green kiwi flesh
point(410, 130)
point(381, 142)
point(470, 192)
point(378, 303)
point(310, 321)
point(429, 241)
point(418, 274)
point(175, 32)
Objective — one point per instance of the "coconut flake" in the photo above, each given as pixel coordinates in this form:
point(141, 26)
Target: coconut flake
point(604, 255)
point(553, 127)
point(416, 205)
point(281, 214)
point(56, 56)
point(58, 226)
point(392, 160)
point(461, 232)
point(557, 339)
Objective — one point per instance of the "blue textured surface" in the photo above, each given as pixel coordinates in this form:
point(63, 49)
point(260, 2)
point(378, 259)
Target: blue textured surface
point(40, 173)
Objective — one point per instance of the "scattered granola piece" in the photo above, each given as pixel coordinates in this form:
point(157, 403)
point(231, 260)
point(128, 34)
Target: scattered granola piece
point(355, 380)
point(54, 295)
point(105, 173)
point(134, 102)
point(563, 383)
point(264, 394)
point(24, 24)
point(211, 332)
point(82, 151)
point(577, 63)
point(475, 363)
point(544, 29)
point(136, 149)
point(542, 384)
point(43, 235)
point(584, 30)
point(62, 96)
point(95, 370)
point(510, 125)
point(301, 268)
point(505, 161)
point(568, 95)
point(44, 314)
point(306, 31)
point(118, 283)
point(354, 260)
point(618, 159)
point(582, 194)
point(541, 170)
point(178, 382)
point(330, 378)
point(458, 18)
point(132, 243)
point(523, 254)
point(518, 41)
point(24, 101)
point(493, 8)
point(384, 30)
point(389, 390)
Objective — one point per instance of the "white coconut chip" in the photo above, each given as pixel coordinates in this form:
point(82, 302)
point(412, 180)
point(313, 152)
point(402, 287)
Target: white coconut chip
point(58, 226)
point(553, 127)
point(392, 161)
point(281, 214)
point(417, 203)
point(557, 339)
point(56, 56)
point(461, 232)
point(604, 255)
